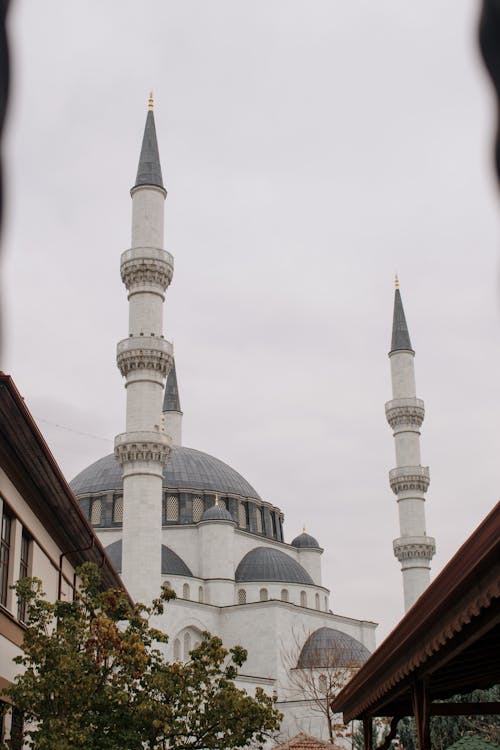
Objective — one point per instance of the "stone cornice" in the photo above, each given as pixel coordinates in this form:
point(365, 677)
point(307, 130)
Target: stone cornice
point(405, 478)
point(405, 411)
point(142, 447)
point(146, 267)
point(144, 353)
point(414, 548)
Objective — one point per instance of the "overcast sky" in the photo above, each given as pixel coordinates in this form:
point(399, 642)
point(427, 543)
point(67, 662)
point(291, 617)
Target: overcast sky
point(310, 151)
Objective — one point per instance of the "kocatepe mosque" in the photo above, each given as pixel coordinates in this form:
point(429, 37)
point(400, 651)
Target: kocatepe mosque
point(168, 513)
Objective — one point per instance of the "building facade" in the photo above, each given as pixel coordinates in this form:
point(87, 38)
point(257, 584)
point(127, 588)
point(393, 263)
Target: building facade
point(168, 513)
point(43, 533)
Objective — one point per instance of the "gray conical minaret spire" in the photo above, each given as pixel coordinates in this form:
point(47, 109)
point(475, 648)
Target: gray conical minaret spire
point(409, 480)
point(149, 169)
point(400, 335)
point(172, 413)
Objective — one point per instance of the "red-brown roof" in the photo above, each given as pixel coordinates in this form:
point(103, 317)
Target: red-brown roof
point(303, 741)
point(449, 638)
point(29, 463)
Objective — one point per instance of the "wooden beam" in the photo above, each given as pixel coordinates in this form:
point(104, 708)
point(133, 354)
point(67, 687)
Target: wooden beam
point(465, 709)
point(368, 732)
point(420, 700)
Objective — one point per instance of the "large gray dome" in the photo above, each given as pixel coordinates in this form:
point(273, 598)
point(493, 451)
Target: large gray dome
point(327, 647)
point(171, 563)
point(266, 564)
point(187, 469)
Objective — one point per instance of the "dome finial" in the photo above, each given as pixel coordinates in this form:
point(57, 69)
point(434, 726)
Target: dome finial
point(151, 102)
point(304, 528)
point(396, 282)
point(216, 499)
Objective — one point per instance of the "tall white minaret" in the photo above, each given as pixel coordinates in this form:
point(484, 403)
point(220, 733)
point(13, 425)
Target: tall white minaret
point(144, 359)
point(409, 480)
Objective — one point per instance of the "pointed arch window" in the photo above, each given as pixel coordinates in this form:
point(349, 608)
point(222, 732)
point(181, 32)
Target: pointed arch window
point(186, 594)
point(242, 596)
point(264, 595)
point(172, 509)
point(303, 599)
point(284, 595)
point(187, 646)
point(316, 601)
point(197, 509)
point(200, 594)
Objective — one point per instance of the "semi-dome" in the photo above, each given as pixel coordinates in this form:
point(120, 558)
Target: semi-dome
point(305, 540)
point(267, 564)
point(171, 563)
point(327, 648)
point(186, 469)
point(217, 512)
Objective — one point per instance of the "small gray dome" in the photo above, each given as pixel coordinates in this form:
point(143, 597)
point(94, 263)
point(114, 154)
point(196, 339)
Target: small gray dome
point(171, 563)
point(217, 513)
point(267, 564)
point(305, 540)
point(327, 647)
point(186, 469)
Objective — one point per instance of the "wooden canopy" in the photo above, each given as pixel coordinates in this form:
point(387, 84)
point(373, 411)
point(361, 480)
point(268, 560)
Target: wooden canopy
point(448, 643)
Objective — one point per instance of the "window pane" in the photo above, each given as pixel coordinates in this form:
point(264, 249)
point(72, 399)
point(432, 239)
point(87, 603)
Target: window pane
point(4, 558)
point(95, 512)
point(172, 509)
point(197, 509)
point(242, 596)
point(118, 510)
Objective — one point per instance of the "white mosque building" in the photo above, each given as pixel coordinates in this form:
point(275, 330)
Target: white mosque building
point(169, 513)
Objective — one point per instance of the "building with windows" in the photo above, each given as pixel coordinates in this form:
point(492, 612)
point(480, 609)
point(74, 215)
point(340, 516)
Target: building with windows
point(165, 512)
point(43, 532)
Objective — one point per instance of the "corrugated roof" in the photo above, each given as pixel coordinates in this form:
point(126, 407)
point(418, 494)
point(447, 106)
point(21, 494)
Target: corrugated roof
point(304, 741)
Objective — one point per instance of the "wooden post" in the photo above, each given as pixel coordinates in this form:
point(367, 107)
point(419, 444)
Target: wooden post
point(420, 700)
point(368, 732)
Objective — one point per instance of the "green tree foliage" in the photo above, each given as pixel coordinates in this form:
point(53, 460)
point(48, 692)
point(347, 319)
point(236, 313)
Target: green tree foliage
point(94, 676)
point(445, 730)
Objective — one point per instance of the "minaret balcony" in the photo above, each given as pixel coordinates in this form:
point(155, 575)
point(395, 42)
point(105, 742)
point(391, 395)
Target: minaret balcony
point(405, 412)
point(142, 447)
point(146, 269)
point(139, 353)
point(414, 548)
point(405, 478)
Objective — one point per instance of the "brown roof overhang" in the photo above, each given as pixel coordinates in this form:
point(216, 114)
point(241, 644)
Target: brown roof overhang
point(30, 465)
point(449, 638)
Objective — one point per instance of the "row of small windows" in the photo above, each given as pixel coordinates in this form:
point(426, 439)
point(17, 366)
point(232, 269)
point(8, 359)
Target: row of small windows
point(285, 597)
point(188, 643)
point(107, 510)
point(186, 592)
point(7, 538)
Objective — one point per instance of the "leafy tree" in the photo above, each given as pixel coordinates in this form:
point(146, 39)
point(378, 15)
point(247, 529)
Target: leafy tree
point(445, 730)
point(94, 676)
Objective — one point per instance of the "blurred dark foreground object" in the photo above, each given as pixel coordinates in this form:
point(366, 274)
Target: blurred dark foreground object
point(489, 41)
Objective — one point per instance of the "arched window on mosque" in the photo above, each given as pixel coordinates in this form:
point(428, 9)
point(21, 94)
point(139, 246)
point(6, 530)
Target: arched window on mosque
point(326, 604)
point(316, 601)
point(242, 596)
point(284, 595)
point(197, 509)
point(177, 650)
point(118, 509)
point(95, 512)
point(303, 599)
point(200, 594)
point(185, 591)
point(323, 684)
point(264, 596)
point(258, 519)
point(242, 519)
point(172, 514)
point(187, 646)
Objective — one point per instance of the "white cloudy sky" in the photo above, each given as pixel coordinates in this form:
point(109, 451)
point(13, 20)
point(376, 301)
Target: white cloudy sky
point(310, 150)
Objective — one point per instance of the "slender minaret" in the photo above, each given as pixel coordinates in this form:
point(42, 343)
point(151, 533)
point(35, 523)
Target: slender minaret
point(144, 359)
point(172, 414)
point(409, 480)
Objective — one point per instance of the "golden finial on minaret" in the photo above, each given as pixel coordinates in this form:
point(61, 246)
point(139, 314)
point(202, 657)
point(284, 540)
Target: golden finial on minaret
point(396, 282)
point(304, 528)
point(216, 499)
point(151, 103)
